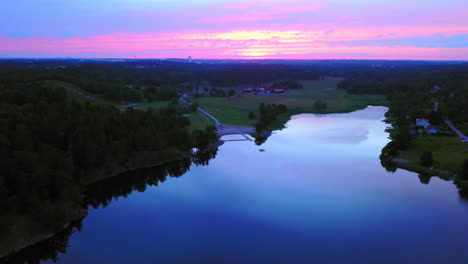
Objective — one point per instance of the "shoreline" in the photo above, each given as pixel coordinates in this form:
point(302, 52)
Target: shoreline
point(40, 237)
point(283, 118)
point(101, 174)
point(226, 130)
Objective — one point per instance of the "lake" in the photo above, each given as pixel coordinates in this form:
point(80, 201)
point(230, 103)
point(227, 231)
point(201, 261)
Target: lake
point(316, 194)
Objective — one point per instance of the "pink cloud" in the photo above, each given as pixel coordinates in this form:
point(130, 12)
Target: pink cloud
point(251, 13)
point(286, 44)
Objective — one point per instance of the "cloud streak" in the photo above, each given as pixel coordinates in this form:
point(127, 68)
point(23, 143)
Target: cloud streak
point(236, 29)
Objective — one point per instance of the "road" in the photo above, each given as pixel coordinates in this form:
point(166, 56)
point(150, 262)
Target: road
point(73, 90)
point(462, 137)
point(210, 116)
point(218, 124)
point(223, 129)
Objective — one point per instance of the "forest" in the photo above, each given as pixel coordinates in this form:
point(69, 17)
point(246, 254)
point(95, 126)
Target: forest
point(139, 81)
point(52, 144)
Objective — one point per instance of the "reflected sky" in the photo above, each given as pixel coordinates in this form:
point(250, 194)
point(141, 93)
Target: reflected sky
point(317, 193)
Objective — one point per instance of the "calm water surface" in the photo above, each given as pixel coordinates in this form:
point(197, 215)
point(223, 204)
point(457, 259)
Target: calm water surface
point(318, 194)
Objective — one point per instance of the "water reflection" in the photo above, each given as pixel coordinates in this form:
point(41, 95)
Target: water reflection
point(101, 194)
point(314, 196)
point(48, 249)
point(424, 179)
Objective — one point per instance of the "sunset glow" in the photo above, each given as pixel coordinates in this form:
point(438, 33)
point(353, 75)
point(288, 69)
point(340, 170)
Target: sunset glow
point(299, 29)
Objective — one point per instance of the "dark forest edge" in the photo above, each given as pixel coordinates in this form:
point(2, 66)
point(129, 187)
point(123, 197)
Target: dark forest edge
point(53, 146)
point(101, 194)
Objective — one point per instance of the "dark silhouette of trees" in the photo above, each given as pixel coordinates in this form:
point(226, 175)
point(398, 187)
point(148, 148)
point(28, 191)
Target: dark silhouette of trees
point(287, 84)
point(426, 159)
point(320, 105)
point(424, 179)
point(464, 170)
point(268, 114)
point(52, 144)
point(251, 115)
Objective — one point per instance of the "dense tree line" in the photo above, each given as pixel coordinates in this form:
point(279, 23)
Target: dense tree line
point(101, 194)
point(51, 143)
point(287, 84)
point(218, 92)
point(412, 92)
point(268, 114)
point(411, 89)
point(148, 80)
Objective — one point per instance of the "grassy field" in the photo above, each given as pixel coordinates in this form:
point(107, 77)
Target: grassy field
point(448, 153)
point(200, 121)
point(154, 105)
point(197, 120)
point(234, 110)
point(463, 128)
point(79, 93)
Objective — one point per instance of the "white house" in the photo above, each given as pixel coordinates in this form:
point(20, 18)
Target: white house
point(422, 122)
point(432, 130)
point(259, 90)
point(435, 89)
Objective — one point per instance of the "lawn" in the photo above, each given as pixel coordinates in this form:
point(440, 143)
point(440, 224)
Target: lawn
point(462, 127)
point(146, 106)
point(79, 93)
point(200, 121)
point(234, 110)
point(448, 152)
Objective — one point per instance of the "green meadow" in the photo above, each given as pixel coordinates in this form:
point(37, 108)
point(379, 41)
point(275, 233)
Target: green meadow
point(234, 110)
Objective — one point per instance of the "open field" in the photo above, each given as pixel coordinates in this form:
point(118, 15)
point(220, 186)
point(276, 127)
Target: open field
point(154, 105)
point(234, 110)
point(200, 121)
point(79, 93)
point(197, 120)
point(448, 153)
point(463, 128)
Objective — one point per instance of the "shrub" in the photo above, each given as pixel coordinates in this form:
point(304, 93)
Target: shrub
point(426, 159)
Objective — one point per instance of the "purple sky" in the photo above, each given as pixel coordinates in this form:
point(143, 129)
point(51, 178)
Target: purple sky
point(293, 29)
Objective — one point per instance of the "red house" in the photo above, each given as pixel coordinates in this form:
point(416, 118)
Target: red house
point(278, 91)
point(266, 86)
point(247, 91)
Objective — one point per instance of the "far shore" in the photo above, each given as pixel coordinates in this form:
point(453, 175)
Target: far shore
point(224, 130)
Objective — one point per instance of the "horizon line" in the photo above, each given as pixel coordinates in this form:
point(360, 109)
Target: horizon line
point(218, 59)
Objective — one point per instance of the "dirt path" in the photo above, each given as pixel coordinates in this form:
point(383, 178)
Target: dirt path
point(463, 138)
point(224, 130)
point(203, 112)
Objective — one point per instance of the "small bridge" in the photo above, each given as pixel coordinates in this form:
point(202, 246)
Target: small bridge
point(224, 130)
point(227, 140)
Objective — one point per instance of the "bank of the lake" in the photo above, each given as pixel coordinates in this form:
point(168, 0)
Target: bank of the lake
point(227, 211)
point(447, 150)
point(141, 160)
point(235, 110)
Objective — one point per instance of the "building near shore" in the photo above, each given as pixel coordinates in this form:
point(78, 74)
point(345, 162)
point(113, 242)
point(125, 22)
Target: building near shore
point(431, 130)
point(422, 122)
point(278, 91)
